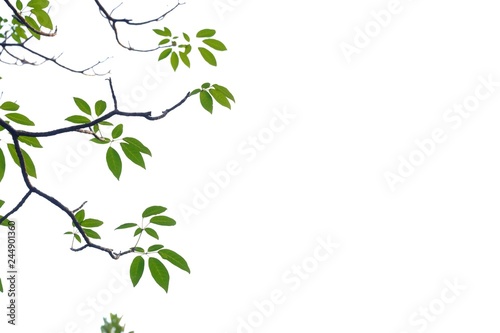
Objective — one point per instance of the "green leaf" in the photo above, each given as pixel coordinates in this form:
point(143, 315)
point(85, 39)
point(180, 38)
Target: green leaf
point(152, 233)
point(164, 54)
point(114, 162)
point(185, 59)
point(205, 85)
point(175, 259)
point(165, 32)
point(20, 119)
point(117, 131)
point(126, 225)
point(215, 44)
point(153, 210)
point(100, 107)
point(43, 18)
point(38, 4)
point(163, 220)
point(205, 33)
point(78, 119)
point(82, 105)
point(186, 37)
point(80, 215)
point(139, 249)
point(159, 273)
point(30, 141)
point(134, 142)
point(2, 167)
point(105, 123)
point(164, 41)
point(174, 61)
point(137, 231)
point(78, 238)
point(133, 154)
point(19, 5)
point(136, 270)
point(154, 248)
point(30, 166)
point(91, 233)
point(1, 287)
point(91, 223)
point(220, 98)
point(101, 142)
point(33, 24)
point(225, 91)
point(206, 101)
point(1, 201)
point(9, 106)
point(194, 92)
point(208, 56)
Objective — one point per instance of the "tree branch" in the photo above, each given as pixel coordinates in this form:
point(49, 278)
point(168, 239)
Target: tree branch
point(21, 19)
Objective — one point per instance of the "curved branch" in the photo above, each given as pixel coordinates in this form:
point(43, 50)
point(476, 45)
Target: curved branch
point(21, 19)
point(15, 209)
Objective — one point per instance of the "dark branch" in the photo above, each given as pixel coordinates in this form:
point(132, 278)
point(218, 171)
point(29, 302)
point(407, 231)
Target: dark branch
point(21, 19)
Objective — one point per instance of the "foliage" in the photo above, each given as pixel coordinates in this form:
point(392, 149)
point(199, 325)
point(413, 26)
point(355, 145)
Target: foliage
point(113, 326)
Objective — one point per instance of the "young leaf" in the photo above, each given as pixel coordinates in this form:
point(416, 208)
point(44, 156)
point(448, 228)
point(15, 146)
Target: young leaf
point(2, 167)
point(220, 98)
point(175, 259)
point(80, 215)
point(225, 91)
point(159, 273)
point(33, 24)
point(133, 154)
point(208, 56)
point(152, 233)
point(20, 119)
point(154, 248)
point(43, 18)
point(185, 59)
point(30, 166)
point(30, 141)
point(82, 105)
point(105, 123)
point(165, 32)
point(137, 231)
point(1, 287)
point(78, 119)
point(114, 162)
point(186, 37)
point(164, 54)
point(174, 61)
point(117, 131)
point(215, 44)
point(164, 41)
point(91, 233)
point(126, 225)
point(101, 142)
point(153, 210)
point(9, 106)
point(205, 85)
point(136, 270)
point(19, 5)
point(138, 249)
point(194, 92)
point(134, 142)
point(206, 101)
point(91, 223)
point(78, 238)
point(162, 220)
point(205, 33)
point(100, 107)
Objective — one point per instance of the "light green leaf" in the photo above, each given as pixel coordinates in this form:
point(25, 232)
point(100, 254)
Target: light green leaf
point(154, 248)
point(114, 162)
point(208, 56)
point(43, 18)
point(126, 225)
point(153, 210)
point(194, 92)
point(152, 233)
point(30, 166)
point(163, 220)
point(185, 59)
point(1, 287)
point(205, 33)
point(2, 167)
point(34, 25)
point(38, 4)
point(165, 32)
point(30, 141)
point(159, 273)
point(220, 98)
point(20, 119)
point(225, 91)
point(117, 131)
point(134, 142)
point(206, 101)
point(186, 37)
point(174, 60)
point(100, 107)
point(91, 223)
point(101, 142)
point(139, 249)
point(133, 154)
point(215, 44)
point(175, 259)
point(77, 237)
point(82, 105)
point(164, 54)
point(136, 269)
point(80, 215)
point(9, 106)
point(78, 119)
point(91, 233)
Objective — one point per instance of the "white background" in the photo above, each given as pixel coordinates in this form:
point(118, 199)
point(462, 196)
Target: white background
point(321, 177)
